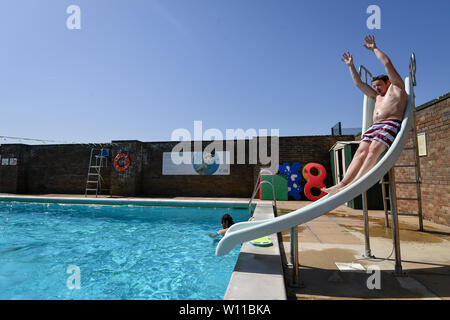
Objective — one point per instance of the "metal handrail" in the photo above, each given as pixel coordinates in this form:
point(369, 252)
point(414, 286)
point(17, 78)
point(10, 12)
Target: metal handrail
point(367, 251)
point(412, 76)
point(412, 69)
point(392, 191)
point(366, 72)
point(257, 182)
point(258, 185)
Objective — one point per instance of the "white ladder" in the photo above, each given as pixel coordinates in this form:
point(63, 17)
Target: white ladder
point(94, 178)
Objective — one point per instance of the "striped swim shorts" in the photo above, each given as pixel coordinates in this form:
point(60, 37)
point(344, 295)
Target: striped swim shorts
point(383, 131)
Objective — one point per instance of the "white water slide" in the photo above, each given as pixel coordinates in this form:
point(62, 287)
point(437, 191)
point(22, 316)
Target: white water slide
point(246, 231)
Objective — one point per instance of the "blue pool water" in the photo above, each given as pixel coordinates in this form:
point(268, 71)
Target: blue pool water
point(122, 252)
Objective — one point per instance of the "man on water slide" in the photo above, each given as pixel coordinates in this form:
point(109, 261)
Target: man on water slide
point(390, 102)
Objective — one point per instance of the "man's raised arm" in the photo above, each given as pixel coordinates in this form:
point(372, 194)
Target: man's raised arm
point(365, 88)
point(393, 75)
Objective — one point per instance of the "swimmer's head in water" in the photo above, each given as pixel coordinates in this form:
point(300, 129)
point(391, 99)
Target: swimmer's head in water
point(227, 221)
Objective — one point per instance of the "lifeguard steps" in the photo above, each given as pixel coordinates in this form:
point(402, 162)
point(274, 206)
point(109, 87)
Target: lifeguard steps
point(95, 183)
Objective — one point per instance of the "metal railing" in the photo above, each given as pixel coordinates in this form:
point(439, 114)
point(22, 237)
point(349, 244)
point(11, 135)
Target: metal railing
point(258, 185)
point(365, 208)
point(366, 73)
point(295, 280)
point(412, 69)
point(295, 276)
point(392, 192)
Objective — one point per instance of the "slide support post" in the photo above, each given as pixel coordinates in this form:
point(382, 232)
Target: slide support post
point(395, 227)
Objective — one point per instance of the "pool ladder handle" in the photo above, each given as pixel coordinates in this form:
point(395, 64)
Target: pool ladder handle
point(258, 185)
point(295, 278)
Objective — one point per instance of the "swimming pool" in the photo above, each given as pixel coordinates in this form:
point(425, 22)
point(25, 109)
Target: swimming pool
point(122, 252)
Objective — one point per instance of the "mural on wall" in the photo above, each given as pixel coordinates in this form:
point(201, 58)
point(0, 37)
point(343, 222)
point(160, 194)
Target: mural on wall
point(205, 163)
point(198, 163)
point(295, 187)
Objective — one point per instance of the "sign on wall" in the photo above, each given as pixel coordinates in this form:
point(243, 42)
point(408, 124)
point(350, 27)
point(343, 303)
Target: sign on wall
point(422, 144)
point(196, 163)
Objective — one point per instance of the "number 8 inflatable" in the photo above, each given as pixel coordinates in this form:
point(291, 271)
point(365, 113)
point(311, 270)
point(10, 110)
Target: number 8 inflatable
point(314, 181)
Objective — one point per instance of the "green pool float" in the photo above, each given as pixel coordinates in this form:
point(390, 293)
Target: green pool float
point(262, 242)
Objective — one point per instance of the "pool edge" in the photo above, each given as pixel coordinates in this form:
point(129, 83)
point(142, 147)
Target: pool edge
point(258, 274)
point(129, 201)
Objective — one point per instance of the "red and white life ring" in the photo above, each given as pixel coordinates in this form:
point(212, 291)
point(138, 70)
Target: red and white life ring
point(118, 162)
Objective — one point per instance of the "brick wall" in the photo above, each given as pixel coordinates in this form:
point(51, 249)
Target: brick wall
point(46, 168)
point(62, 168)
point(43, 169)
point(432, 118)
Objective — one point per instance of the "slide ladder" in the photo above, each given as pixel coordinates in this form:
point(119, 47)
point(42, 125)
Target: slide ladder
point(246, 231)
point(417, 182)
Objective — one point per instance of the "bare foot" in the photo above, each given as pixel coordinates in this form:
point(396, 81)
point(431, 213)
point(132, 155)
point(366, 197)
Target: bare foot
point(334, 189)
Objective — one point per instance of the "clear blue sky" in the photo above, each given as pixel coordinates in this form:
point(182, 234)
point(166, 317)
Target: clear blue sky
point(141, 69)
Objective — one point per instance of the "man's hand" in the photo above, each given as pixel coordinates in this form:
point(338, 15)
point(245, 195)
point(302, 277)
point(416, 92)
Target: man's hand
point(393, 75)
point(370, 43)
point(368, 91)
point(348, 58)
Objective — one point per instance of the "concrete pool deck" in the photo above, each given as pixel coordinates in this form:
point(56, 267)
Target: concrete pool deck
point(338, 237)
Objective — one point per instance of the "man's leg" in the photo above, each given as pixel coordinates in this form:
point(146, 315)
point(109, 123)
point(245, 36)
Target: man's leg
point(375, 150)
point(353, 169)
